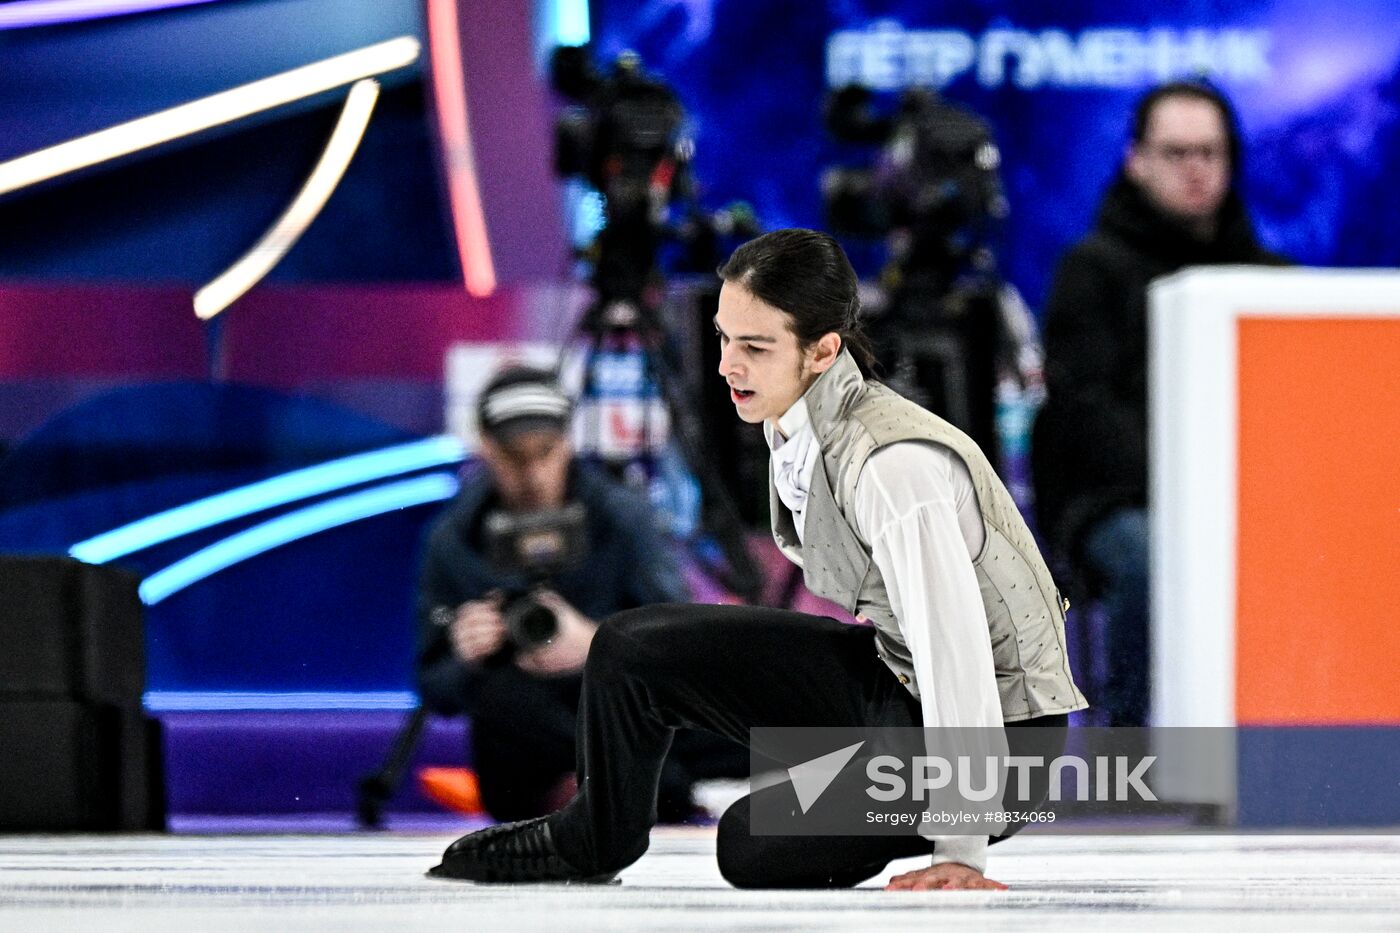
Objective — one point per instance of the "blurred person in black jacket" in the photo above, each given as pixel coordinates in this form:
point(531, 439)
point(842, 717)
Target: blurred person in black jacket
point(523, 699)
point(1174, 203)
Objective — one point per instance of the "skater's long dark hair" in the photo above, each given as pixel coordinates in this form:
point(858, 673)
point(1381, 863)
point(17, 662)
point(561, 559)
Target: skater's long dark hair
point(806, 275)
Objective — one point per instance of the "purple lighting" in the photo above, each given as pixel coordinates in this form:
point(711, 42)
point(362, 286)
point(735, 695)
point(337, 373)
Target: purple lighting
point(25, 13)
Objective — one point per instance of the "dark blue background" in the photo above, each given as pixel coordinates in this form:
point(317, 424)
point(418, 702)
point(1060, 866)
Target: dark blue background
point(183, 211)
point(332, 611)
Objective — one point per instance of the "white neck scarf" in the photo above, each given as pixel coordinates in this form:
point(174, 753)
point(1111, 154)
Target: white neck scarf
point(794, 459)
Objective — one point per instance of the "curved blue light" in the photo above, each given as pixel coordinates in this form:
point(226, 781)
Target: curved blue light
point(293, 526)
point(266, 494)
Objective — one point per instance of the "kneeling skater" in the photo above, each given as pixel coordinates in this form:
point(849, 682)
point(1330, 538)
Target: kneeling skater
point(891, 512)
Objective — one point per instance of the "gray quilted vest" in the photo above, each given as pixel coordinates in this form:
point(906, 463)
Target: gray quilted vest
point(852, 419)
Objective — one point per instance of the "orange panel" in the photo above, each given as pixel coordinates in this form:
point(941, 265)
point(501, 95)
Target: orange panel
point(1318, 611)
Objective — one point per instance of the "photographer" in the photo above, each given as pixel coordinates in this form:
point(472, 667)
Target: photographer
point(518, 683)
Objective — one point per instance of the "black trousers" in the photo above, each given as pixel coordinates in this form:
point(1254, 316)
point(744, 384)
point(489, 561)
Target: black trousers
point(727, 669)
point(523, 745)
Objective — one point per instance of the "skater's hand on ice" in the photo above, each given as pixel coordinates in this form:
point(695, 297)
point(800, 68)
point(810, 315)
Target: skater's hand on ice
point(566, 652)
point(948, 876)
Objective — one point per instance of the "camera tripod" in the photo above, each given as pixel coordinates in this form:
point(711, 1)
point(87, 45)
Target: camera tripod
point(633, 326)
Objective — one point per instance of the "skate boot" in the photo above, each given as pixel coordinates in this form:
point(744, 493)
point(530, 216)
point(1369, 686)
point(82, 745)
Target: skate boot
point(512, 853)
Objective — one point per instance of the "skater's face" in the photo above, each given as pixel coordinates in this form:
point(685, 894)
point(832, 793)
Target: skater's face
point(760, 358)
point(531, 469)
point(1183, 160)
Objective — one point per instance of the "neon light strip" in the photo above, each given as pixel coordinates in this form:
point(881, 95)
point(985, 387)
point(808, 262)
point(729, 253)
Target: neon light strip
point(463, 191)
point(27, 13)
point(174, 701)
point(571, 22)
point(198, 115)
point(292, 527)
point(267, 494)
point(231, 285)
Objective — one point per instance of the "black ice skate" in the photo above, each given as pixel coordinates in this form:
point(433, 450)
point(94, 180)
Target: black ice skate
point(512, 853)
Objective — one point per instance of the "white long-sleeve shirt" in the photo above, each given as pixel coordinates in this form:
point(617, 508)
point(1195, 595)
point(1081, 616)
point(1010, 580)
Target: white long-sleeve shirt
point(916, 506)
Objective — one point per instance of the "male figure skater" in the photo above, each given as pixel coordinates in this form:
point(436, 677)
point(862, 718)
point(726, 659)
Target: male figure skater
point(891, 512)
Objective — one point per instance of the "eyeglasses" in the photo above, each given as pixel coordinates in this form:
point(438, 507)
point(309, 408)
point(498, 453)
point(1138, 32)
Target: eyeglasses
point(1173, 154)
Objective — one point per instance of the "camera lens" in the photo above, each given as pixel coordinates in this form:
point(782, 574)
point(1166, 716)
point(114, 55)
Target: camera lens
point(529, 623)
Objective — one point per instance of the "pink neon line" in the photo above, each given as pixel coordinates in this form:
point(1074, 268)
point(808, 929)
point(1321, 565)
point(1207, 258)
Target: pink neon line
point(464, 194)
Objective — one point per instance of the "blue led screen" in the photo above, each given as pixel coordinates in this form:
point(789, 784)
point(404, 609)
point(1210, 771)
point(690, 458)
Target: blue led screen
point(1317, 86)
